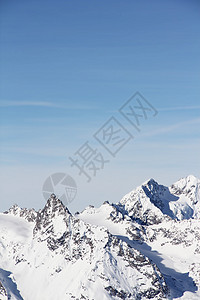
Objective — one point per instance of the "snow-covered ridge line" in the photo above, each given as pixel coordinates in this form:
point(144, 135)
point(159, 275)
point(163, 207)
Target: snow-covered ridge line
point(80, 258)
point(144, 247)
point(153, 203)
point(163, 223)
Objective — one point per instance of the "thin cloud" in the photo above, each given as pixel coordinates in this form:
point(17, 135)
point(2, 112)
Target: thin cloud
point(46, 104)
point(192, 107)
point(172, 127)
point(27, 103)
point(41, 151)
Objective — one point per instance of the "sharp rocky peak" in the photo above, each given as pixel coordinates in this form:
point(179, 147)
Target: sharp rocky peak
point(150, 181)
point(54, 207)
point(180, 201)
point(53, 219)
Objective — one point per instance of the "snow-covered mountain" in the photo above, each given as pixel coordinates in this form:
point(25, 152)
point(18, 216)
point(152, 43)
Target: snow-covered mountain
point(163, 224)
point(147, 246)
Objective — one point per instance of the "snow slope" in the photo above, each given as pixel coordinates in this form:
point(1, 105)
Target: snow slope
point(147, 246)
point(163, 224)
point(83, 260)
point(14, 234)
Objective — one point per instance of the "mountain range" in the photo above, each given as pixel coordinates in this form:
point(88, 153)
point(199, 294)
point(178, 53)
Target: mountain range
point(147, 246)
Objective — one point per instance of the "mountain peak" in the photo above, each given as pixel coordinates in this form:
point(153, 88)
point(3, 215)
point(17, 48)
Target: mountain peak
point(55, 205)
point(191, 177)
point(53, 196)
point(189, 180)
point(53, 218)
point(116, 249)
point(150, 181)
point(186, 184)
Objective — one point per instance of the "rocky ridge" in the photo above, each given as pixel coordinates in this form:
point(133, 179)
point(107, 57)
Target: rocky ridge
point(144, 247)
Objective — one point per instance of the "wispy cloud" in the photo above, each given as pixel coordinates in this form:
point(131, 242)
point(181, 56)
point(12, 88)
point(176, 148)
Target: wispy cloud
point(72, 106)
point(39, 151)
point(27, 103)
point(174, 108)
point(172, 127)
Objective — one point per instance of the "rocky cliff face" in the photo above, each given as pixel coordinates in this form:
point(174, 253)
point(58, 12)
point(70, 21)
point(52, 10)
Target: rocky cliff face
point(25, 213)
point(3, 293)
point(163, 224)
point(81, 258)
point(144, 247)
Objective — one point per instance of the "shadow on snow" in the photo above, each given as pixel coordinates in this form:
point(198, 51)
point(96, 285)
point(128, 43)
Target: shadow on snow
point(10, 286)
point(177, 282)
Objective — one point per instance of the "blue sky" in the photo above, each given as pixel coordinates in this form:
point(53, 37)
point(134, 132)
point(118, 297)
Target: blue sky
point(68, 66)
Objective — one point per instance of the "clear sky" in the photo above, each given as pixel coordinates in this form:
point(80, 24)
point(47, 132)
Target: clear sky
point(66, 67)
